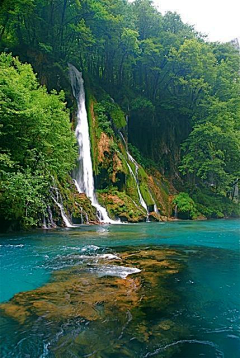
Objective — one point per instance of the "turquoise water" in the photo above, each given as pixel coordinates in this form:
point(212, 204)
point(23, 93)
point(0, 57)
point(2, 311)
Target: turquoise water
point(208, 308)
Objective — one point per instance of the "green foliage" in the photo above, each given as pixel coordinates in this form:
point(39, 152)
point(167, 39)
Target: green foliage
point(23, 197)
point(212, 150)
point(37, 143)
point(35, 124)
point(140, 159)
point(186, 207)
point(142, 104)
point(116, 114)
point(214, 205)
point(109, 115)
point(104, 122)
point(180, 92)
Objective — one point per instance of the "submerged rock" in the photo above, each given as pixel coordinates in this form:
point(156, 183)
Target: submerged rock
point(119, 298)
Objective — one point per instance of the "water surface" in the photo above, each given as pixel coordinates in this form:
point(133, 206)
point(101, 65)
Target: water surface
point(80, 292)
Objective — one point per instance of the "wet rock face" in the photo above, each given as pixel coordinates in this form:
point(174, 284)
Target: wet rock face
point(116, 294)
point(122, 206)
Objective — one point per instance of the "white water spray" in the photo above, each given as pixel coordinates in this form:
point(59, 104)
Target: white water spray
point(135, 176)
point(64, 216)
point(84, 173)
point(142, 202)
point(57, 198)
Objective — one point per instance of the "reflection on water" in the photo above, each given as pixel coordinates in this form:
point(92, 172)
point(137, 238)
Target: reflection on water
point(137, 291)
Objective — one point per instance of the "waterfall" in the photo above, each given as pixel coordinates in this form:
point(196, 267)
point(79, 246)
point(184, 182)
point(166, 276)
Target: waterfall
point(82, 222)
point(44, 224)
point(64, 216)
point(50, 217)
point(57, 198)
point(142, 202)
point(47, 222)
point(175, 212)
point(154, 203)
point(135, 176)
point(86, 216)
point(83, 175)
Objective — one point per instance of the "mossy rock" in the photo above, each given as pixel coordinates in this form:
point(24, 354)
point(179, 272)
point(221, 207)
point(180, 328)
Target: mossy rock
point(120, 205)
point(77, 206)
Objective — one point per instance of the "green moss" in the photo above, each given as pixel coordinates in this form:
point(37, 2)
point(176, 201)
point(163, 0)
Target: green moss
point(160, 191)
point(104, 122)
point(78, 206)
point(143, 185)
point(112, 111)
point(94, 132)
point(131, 188)
point(120, 205)
point(117, 116)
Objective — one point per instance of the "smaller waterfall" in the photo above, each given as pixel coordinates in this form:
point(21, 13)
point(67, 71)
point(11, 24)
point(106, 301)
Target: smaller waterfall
point(142, 202)
point(154, 203)
point(56, 197)
point(136, 178)
point(47, 221)
point(175, 212)
point(82, 222)
point(44, 224)
point(50, 217)
point(64, 216)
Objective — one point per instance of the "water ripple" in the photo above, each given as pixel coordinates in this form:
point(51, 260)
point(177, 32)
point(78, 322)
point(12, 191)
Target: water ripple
point(220, 354)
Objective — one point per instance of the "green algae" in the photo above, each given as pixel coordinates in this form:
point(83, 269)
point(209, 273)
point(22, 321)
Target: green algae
point(78, 290)
point(122, 307)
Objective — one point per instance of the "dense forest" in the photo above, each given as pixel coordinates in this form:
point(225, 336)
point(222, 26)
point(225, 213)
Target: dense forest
point(171, 94)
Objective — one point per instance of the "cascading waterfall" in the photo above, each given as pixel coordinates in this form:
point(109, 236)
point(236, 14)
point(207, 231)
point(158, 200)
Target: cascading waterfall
point(64, 216)
point(175, 212)
point(47, 222)
point(135, 176)
point(82, 222)
point(50, 217)
point(83, 175)
point(57, 198)
point(142, 202)
point(44, 224)
point(154, 205)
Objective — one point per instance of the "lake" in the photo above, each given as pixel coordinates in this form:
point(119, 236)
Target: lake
point(115, 291)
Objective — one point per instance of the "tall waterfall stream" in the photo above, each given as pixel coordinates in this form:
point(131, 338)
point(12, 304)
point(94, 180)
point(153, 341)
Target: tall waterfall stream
point(83, 174)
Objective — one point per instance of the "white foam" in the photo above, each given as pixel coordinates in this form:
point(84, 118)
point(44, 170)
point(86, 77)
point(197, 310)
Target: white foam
point(116, 271)
point(90, 247)
point(109, 257)
point(95, 257)
point(9, 245)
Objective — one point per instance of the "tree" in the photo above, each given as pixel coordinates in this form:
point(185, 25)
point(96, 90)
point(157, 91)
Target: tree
point(37, 143)
point(212, 150)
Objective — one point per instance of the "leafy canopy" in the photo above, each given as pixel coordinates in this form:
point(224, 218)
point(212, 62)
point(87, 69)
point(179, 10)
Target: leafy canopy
point(37, 143)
